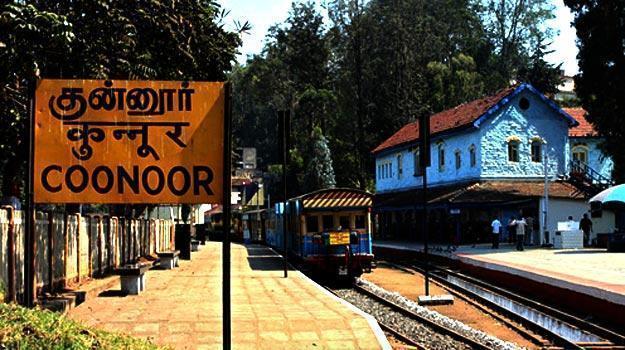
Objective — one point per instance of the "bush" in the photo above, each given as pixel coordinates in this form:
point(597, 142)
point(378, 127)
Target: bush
point(22, 328)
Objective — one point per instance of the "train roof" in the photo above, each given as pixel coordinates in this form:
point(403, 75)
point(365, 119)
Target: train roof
point(332, 198)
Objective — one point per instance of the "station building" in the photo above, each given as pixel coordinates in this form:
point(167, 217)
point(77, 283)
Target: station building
point(490, 158)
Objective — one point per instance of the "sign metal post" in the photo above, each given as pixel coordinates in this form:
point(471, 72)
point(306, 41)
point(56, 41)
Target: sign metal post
point(30, 289)
point(227, 333)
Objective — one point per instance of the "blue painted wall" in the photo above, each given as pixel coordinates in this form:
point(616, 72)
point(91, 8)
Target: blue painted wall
point(490, 140)
point(461, 142)
point(538, 121)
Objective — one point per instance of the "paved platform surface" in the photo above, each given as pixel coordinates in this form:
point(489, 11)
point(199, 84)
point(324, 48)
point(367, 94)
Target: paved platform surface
point(182, 307)
point(590, 271)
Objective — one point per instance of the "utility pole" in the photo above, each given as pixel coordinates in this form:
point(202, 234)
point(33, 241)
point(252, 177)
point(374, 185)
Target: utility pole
point(546, 195)
point(424, 151)
point(227, 207)
point(285, 128)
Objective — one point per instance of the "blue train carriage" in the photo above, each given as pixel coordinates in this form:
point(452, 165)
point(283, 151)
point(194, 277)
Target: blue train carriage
point(330, 230)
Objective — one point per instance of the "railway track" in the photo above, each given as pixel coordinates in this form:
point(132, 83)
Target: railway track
point(560, 328)
point(406, 325)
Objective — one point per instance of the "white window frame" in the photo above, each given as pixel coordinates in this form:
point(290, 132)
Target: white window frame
point(513, 140)
point(584, 149)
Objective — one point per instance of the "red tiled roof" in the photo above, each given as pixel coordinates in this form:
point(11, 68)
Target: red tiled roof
point(485, 192)
point(336, 197)
point(584, 129)
point(459, 116)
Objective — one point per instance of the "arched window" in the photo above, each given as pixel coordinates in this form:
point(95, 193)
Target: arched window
point(580, 153)
point(458, 159)
point(400, 167)
point(441, 157)
point(513, 149)
point(417, 162)
point(472, 156)
point(537, 150)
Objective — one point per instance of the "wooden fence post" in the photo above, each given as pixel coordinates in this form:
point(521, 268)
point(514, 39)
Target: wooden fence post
point(12, 292)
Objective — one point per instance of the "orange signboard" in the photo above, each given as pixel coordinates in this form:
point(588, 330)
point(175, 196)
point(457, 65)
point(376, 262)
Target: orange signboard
point(118, 141)
point(339, 238)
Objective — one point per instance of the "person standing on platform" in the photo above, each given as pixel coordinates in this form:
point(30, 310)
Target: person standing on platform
point(585, 224)
point(520, 232)
point(496, 225)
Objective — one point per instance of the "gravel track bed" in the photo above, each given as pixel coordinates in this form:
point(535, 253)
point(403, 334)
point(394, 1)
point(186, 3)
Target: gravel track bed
point(459, 327)
point(418, 332)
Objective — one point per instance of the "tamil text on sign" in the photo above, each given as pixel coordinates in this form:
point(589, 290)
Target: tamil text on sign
point(117, 141)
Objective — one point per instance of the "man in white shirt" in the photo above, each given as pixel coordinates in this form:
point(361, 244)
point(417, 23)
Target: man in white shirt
point(520, 232)
point(496, 225)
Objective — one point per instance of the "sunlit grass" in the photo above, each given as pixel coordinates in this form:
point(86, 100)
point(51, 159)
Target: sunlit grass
point(22, 328)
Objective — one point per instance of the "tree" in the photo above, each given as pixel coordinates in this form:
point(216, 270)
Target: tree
point(453, 84)
point(32, 42)
point(290, 74)
point(514, 28)
point(540, 73)
point(319, 171)
point(600, 84)
point(380, 56)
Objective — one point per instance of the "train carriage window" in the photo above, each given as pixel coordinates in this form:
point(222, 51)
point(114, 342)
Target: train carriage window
point(328, 222)
point(344, 222)
point(312, 224)
point(360, 221)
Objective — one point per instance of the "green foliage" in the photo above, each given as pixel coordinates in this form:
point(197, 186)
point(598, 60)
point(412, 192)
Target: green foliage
point(542, 75)
point(291, 74)
point(453, 84)
point(515, 29)
point(31, 41)
point(319, 171)
point(601, 82)
point(23, 328)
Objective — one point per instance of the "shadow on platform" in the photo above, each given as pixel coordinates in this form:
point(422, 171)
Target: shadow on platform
point(264, 259)
point(112, 293)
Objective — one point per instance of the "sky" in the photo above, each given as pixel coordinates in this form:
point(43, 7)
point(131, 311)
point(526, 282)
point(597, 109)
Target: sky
point(262, 14)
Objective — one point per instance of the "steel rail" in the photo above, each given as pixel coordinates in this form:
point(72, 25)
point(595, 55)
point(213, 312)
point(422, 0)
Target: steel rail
point(429, 323)
point(496, 315)
point(603, 332)
point(397, 334)
point(401, 336)
point(616, 340)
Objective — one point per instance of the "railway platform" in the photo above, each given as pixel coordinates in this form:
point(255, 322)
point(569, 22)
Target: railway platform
point(591, 281)
point(182, 307)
